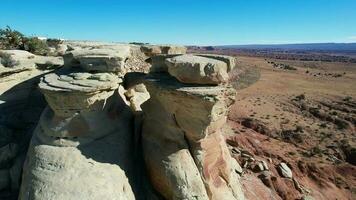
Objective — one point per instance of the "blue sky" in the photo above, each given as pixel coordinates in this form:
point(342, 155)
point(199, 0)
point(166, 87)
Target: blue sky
point(195, 22)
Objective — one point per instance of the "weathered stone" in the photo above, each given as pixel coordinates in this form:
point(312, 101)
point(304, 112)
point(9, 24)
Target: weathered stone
point(153, 50)
point(284, 170)
point(25, 59)
point(71, 152)
point(103, 59)
point(79, 91)
point(230, 61)
point(90, 172)
point(235, 150)
point(265, 165)
point(258, 167)
point(265, 177)
point(137, 95)
point(173, 49)
point(159, 64)
point(236, 166)
point(185, 153)
point(198, 70)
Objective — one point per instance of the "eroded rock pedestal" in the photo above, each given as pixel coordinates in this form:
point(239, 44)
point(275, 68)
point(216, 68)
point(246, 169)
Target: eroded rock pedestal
point(82, 146)
point(89, 141)
point(186, 155)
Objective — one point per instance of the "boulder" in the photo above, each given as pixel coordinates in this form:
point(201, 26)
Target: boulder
point(284, 170)
point(103, 59)
point(80, 91)
point(159, 64)
point(230, 61)
point(137, 95)
point(265, 165)
point(236, 166)
point(153, 50)
point(185, 153)
point(16, 58)
point(198, 70)
point(173, 49)
point(258, 167)
point(119, 58)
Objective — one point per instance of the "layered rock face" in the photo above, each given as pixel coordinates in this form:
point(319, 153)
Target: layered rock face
point(110, 57)
point(101, 117)
point(83, 145)
point(185, 153)
point(81, 148)
point(21, 104)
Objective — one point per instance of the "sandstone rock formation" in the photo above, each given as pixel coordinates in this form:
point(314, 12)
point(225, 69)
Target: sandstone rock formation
point(230, 61)
point(197, 69)
point(81, 147)
point(88, 142)
point(153, 50)
point(185, 153)
point(100, 59)
point(117, 58)
point(21, 104)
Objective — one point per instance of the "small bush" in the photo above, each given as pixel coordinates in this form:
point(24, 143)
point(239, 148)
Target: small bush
point(36, 46)
point(300, 97)
point(51, 42)
point(7, 61)
point(10, 39)
point(347, 98)
point(341, 124)
point(316, 151)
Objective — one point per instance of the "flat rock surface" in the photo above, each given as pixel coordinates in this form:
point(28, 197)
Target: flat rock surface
point(90, 172)
point(164, 81)
point(198, 70)
point(79, 81)
point(230, 61)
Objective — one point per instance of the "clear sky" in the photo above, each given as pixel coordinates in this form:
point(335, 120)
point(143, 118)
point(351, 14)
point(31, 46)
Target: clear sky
point(189, 22)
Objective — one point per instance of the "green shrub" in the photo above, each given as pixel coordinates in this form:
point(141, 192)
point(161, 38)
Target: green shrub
point(36, 46)
point(10, 39)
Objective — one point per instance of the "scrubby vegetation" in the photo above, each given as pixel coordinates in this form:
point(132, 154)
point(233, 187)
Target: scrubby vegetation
point(6, 60)
point(12, 39)
point(282, 66)
point(35, 46)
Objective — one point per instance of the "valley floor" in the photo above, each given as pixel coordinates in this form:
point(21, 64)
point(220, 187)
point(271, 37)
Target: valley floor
point(303, 114)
